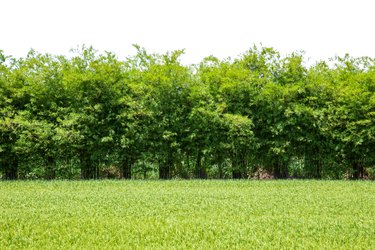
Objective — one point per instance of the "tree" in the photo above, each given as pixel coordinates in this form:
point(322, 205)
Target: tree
point(166, 89)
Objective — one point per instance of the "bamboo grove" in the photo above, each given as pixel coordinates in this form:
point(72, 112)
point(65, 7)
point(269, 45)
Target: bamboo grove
point(91, 115)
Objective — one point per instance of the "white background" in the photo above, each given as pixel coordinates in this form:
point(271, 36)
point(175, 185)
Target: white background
point(322, 28)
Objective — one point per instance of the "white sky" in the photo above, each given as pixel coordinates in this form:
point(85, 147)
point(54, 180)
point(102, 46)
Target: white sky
point(322, 28)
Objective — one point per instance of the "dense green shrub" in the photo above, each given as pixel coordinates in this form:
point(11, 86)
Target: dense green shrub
point(92, 115)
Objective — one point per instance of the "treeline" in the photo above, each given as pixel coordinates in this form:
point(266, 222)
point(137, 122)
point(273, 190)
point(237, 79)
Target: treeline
point(92, 115)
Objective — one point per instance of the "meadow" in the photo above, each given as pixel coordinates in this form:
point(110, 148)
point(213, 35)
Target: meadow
point(211, 214)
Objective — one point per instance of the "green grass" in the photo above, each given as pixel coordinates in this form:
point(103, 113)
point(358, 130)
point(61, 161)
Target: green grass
point(187, 214)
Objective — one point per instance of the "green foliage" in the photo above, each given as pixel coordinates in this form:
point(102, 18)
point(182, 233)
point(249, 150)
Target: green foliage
point(96, 115)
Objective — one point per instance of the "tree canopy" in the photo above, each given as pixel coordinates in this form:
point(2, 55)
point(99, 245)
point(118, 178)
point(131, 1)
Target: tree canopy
point(92, 115)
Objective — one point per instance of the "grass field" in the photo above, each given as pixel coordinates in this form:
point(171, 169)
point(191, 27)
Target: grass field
point(187, 214)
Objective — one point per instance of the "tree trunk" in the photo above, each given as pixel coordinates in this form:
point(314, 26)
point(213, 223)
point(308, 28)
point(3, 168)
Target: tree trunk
point(318, 166)
point(165, 167)
point(50, 168)
point(164, 171)
point(276, 171)
point(280, 170)
point(201, 171)
point(11, 168)
point(221, 170)
point(220, 164)
point(88, 170)
point(284, 171)
point(313, 163)
point(357, 171)
point(236, 172)
point(126, 169)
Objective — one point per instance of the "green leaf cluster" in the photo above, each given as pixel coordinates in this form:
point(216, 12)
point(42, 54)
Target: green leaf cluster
point(92, 115)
